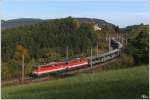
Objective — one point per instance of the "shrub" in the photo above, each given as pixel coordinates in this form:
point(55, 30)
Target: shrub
point(124, 61)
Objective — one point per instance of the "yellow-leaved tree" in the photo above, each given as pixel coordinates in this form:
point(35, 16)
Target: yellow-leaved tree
point(22, 52)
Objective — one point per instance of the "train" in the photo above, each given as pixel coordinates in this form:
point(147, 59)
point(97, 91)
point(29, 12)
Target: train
point(63, 66)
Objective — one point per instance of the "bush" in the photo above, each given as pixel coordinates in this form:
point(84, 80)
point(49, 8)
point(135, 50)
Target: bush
point(124, 61)
point(5, 71)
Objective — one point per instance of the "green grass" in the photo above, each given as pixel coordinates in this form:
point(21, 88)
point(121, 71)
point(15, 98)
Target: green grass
point(121, 83)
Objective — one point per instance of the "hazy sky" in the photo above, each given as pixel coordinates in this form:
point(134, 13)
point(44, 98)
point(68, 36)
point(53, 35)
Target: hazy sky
point(118, 12)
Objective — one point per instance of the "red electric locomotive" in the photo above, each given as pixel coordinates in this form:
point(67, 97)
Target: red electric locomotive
point(60, 66)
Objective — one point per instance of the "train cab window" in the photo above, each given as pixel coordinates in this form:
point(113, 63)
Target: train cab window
point(66, 63)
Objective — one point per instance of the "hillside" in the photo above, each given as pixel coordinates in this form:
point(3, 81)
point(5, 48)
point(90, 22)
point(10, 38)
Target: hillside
point(121, 83)
point(138, 42)
point(7, 24)
point(49, 36)
point(45, 42)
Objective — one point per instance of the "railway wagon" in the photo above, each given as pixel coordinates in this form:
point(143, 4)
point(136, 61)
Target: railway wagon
point(105, 57)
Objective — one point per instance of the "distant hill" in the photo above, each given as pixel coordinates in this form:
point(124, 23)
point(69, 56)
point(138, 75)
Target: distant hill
point(7, 24)
point(100, 22)
point(134, 30)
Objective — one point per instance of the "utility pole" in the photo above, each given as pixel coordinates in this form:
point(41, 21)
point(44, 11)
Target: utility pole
point(106, 38)
point(126, 39)
point(122, 39)
point(97, 48)
point(38, 70)
point(67, 52)
point(109, 43)
point(117, 37)
point(23, 68)
point(91, 57)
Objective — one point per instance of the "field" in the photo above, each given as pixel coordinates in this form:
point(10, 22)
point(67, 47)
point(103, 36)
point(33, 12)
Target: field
point(121, 83)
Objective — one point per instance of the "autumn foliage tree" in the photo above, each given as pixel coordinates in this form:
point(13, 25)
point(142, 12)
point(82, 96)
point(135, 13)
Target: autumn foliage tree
point(21, 53)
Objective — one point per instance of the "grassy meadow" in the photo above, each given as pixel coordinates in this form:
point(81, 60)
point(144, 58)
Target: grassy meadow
point(121, 83)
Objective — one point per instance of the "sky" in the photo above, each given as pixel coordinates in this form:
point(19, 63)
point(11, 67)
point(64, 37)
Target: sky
point(118, 12)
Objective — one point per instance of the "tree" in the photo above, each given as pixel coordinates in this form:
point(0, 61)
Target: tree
point(21, 52)
point(5, 71)
point(139, 48)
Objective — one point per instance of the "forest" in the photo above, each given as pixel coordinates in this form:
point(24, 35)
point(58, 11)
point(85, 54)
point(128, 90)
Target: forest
point(47, 40)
